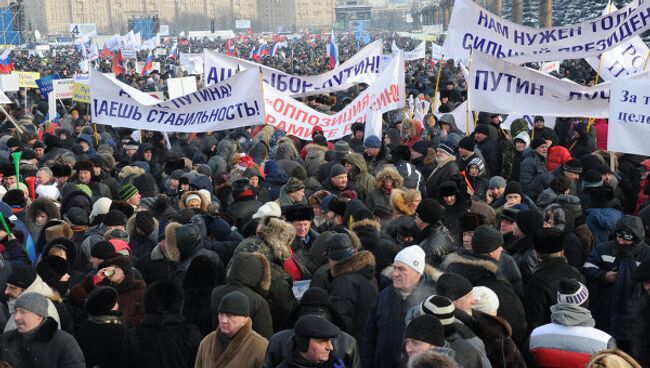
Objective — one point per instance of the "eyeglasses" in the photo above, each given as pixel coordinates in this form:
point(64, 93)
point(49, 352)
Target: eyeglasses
point(625, 235)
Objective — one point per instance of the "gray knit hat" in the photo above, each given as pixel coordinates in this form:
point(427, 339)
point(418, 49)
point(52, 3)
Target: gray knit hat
point(33, 302)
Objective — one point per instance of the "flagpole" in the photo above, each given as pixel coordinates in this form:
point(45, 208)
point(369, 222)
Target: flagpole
point(435, 93)
point(645, 65)
point(591, 120)
point(469, 88)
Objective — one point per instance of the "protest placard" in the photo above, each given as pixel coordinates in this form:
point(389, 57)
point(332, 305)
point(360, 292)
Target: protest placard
point(9, 83)
point(363, 67)
point(177, 87)
point(295, 118)
point(233, 103)
point(63, 88)
point(629, 117)
point(81, 88)
point(472, 27)
point(45, 84)
point(27, 79)
point(499, 86)
point(418, 52)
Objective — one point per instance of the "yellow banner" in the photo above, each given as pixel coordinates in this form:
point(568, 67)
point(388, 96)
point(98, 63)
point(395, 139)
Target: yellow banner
point(81, 88)
point(27, 79)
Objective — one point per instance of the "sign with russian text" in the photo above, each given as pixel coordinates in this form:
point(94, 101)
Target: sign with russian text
point(63, 88)
point(502, 87)
point(629, 117)
point(233, 103)
point(472, 27)
point(27, 79)
point(295, 118)
point(45, 84)
point(363, 67)
point(417, 53)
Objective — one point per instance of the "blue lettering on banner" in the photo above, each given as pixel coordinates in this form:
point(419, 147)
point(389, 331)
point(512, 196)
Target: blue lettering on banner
point(491, 81)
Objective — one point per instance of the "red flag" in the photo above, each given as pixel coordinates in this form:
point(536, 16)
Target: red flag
point(117, 67)
point(105, 53)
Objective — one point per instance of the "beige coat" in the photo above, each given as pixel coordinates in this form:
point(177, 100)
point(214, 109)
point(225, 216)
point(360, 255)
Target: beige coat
point(246, 349)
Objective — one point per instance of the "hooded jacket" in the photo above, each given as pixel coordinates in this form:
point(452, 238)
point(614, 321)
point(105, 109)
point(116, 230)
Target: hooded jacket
point(519, 156)
point(40, 205)
point(40, 287)
point(250, 274)
point(532, 166)
point(569, 340)
point(362, 180)
point(612, 302)
point(379, 196)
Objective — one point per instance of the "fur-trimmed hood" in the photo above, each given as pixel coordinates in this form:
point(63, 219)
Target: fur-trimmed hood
point(43, 204)
point(278, 235)
point(365, 223)
point(315, 148)
point(398, 202)
point(244, 270)
point(130, 229)
point(170, 250)
point(205, 202)
point(362, 262)
point(472, 267)
point(389, 172)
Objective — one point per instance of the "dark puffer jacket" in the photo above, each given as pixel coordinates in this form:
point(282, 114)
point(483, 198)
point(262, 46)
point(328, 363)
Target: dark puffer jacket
point(47, 347)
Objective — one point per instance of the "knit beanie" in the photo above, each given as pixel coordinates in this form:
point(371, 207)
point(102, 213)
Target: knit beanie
point(571, 291)
point(22, 276)
point(372, 142)
point(100, 207)
point(486, 239)
point(426, 328)
point(339, 247)
point(439, 306)
point(33, 302)
point(337, 170)
point(467, 143)
point(538, 141)
point(453, 286)
point(485, 300)
point(413, 257)
point(294, 185)
point(497, 182)
point(127, 191)
point(430, 211)
point(235, 303)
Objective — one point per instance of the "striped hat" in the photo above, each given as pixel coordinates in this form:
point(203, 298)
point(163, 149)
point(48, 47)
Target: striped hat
point(571, 291)
point(440, 307)
point(127, 191)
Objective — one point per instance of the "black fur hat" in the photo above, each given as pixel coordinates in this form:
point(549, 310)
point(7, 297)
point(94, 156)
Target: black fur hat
point(299, 212)
point(101, 301)
point(163, 297)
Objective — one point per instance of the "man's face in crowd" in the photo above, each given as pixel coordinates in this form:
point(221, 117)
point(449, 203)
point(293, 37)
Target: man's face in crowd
point(480, 137)
point(230, 324)
point(465, 303)
point(497, 192)
point(40, 151)
point(414, 347)
point(340, 181)
point(514, 198)
point(26, 321)
point(571, 175)
point(464, 153)
point(9, 181)
point(77, 129)
point(302, 228)
point(372, 152)
point(449, 200)
point(404, 277)
point(297, 196)
point(42, 178)
point(85, 176)
point(135, 199)
point(467, 240)
point(318, 351)
point(358, 134)
point(147, 155)
point(254, 181)
point(131, 152)
point(496, 120)
point(13, 291)
point(539, 124)
point(506, 227)
point(74, 115)
point(542, 150)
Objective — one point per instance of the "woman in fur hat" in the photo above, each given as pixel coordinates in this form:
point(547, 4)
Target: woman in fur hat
point(404, 203)
point(38, 213)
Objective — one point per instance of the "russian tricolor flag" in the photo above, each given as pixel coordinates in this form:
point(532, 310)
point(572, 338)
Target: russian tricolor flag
point(263, 50)
point(333, 52)
point(174, 53)
point(148, 65)
point(6, 65)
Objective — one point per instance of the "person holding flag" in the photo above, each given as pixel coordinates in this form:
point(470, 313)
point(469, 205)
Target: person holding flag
point(333, 52)
point(6, 65)
point(148, 65)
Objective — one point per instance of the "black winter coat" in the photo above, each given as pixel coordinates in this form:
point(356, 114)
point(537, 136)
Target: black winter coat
point(482, 271)
point(371, 238)
point(542, 287)
point(384, 331)
point(161, 341)
point(440, 174)
point(100, 339)
point(282, 343)
point(353, 286)
point(242, 211)
point(48, 348)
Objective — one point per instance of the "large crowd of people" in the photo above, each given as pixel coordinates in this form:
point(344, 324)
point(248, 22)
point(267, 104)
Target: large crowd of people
point(423, 247)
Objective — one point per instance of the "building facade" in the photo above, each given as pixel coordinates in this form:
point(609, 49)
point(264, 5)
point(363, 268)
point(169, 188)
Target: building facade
point(52, 17)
